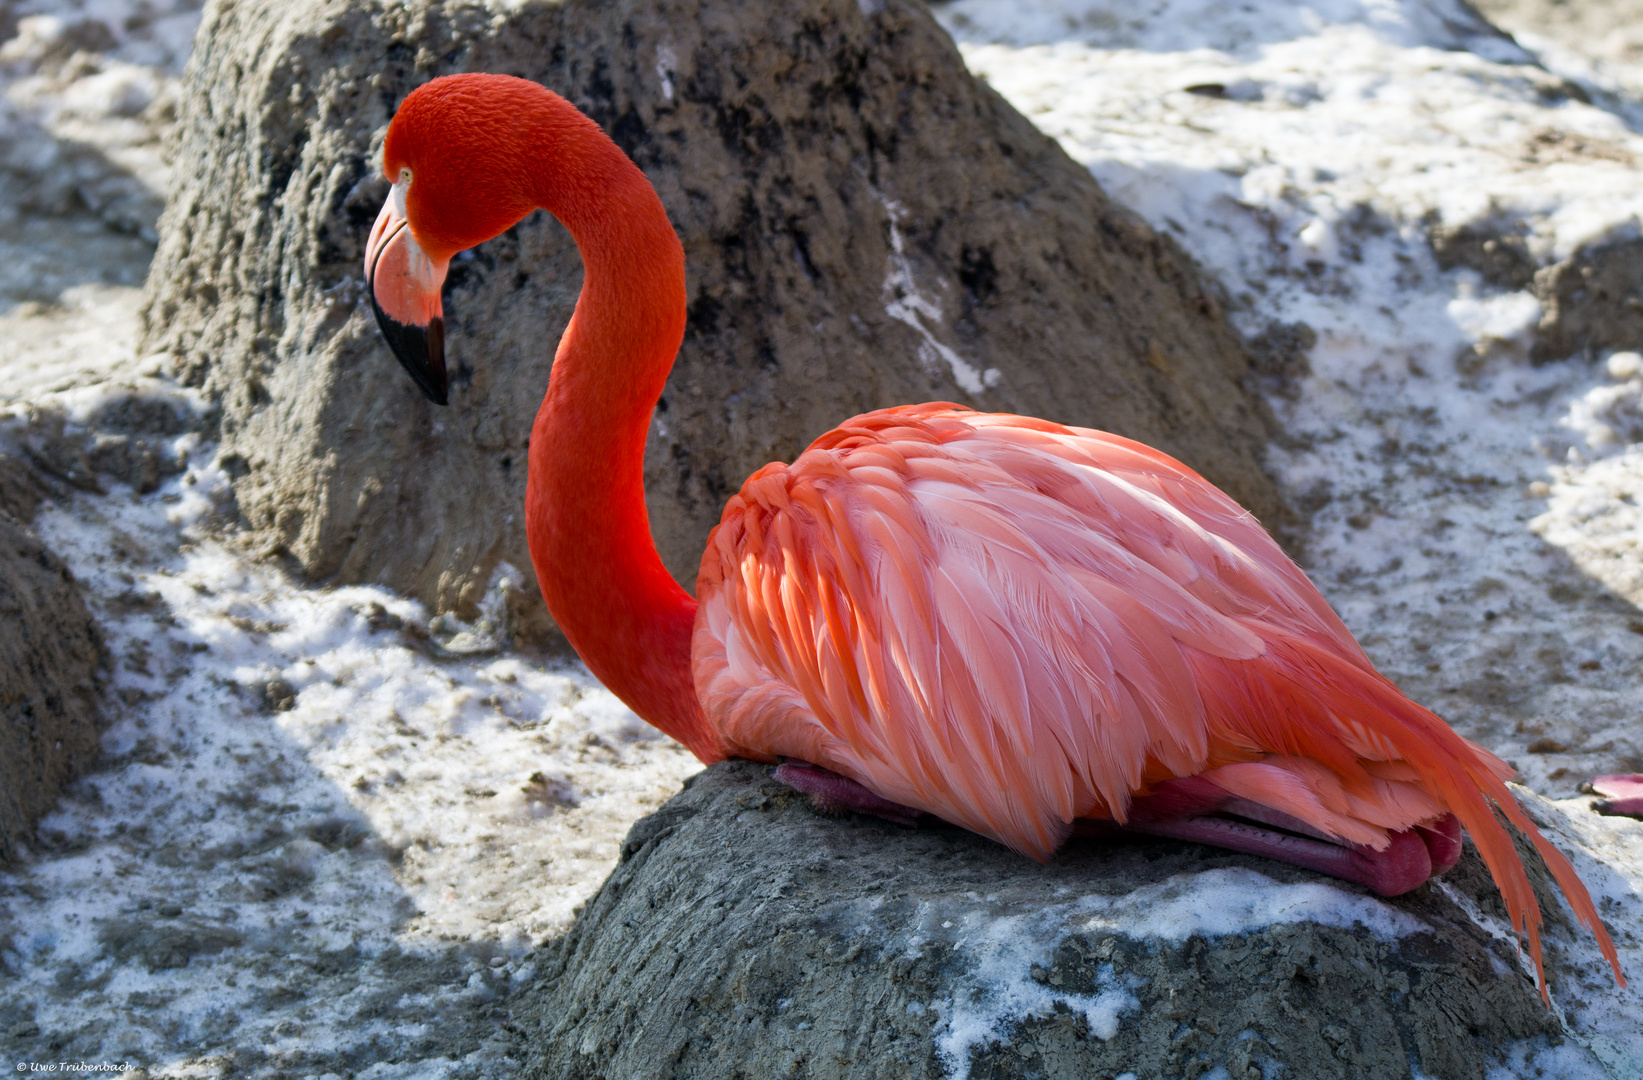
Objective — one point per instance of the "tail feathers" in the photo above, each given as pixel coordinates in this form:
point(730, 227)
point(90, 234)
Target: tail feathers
point(1564, 873)
point(1357, 705)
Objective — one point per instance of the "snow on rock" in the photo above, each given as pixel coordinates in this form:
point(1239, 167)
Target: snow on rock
point(1005, 950)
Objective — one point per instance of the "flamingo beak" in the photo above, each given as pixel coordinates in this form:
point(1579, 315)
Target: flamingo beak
point(404, 285)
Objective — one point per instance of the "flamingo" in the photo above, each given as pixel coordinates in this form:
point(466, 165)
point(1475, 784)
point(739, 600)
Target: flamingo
point(1622, 795)
point(1012, 625)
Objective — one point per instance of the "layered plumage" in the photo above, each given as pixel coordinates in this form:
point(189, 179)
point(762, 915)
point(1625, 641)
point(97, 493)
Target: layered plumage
point(1012, 624)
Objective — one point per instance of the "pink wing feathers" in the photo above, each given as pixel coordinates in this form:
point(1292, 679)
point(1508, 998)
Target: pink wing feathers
point(1011, 624)
point(992, 618)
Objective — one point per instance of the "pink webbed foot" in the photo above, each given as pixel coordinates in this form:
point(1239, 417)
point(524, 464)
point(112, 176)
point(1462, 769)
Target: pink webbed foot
point(1197, 810)
point(833, 794)
point(1442, 839)
point(1623, 795)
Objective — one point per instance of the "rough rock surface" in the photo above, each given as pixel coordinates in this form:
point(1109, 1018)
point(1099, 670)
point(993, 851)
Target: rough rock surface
point(864, 224)
point(50, 655)
point(744, 935)
point(126, 433)
point(1592, 301)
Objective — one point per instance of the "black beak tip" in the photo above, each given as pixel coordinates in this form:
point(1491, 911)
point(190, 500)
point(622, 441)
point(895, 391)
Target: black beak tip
point(420, 350)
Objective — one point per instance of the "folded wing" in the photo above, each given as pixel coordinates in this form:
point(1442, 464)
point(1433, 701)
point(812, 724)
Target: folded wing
point(1011, 624)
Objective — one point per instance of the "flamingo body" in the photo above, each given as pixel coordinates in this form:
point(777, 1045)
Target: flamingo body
point(1016, 626)
point(1012, 624)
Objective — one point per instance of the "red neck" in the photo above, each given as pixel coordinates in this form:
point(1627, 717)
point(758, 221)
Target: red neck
point(586, 521)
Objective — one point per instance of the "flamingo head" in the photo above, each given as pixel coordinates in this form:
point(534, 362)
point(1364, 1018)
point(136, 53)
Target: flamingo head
point(461, 172)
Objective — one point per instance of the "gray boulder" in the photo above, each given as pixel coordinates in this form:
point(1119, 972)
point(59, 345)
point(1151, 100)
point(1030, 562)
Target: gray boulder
point(865, 224)
point(51, 661)
point(1592, 301)
point(744, 935)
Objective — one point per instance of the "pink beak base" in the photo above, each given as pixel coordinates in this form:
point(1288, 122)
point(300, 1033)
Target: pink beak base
point(404, 284)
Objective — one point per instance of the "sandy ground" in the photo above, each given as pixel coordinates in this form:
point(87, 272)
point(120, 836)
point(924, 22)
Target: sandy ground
point(330, 830)
point(1601, 40)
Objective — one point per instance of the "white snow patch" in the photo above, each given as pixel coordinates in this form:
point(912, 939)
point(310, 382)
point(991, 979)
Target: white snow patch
point(667, 62)
point(1002, 953)
point(1495, 318)
point(905, 303)
point(1234, 901)
point(1609, 416)
point(119, 90)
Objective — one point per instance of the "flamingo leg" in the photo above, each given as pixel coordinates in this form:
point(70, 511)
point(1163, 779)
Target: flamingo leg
point(1624, 795)
point(1198, 811)
point(833, 795)
point(1400, 866)
point(1192, 808)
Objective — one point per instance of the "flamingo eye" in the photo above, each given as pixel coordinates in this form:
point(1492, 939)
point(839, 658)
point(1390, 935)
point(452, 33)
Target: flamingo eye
point(405, 176)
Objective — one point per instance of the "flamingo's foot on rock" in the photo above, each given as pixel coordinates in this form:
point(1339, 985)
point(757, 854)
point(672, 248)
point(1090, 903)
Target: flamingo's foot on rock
point(833, 794)
point(1197, 810)
point(1623, 795)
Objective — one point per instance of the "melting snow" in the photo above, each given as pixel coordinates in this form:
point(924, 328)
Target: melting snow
point(1002, 952)
point(905, 303)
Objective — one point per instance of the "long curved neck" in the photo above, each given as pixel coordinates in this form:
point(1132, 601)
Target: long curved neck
point(586, 522)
